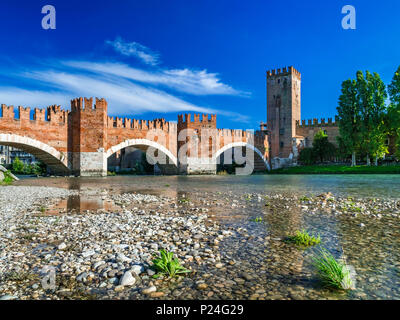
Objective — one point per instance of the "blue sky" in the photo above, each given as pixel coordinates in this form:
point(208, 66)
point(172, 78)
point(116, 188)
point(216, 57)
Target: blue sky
point(154, 59)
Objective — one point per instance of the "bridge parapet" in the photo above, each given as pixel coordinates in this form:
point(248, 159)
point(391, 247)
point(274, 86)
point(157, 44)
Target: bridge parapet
point(85, 136)
point(52, 114)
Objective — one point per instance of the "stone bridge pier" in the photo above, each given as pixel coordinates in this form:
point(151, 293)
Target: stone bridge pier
point(80, 141)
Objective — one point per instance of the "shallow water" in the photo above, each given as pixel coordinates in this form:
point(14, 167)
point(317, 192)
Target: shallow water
point(369, 185)
point(280, 269)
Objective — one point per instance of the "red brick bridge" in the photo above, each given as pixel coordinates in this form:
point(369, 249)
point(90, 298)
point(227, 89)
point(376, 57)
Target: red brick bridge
point(79, 141)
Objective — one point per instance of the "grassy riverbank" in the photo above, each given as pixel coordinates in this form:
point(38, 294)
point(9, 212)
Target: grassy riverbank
point(338, 169)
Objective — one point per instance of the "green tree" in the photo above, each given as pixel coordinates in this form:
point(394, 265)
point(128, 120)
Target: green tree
point(378, 128)
point(371, 96)
point(17, 166)
point(349, 119)
point(322, 148)
point(307, 156)
point(393, 114)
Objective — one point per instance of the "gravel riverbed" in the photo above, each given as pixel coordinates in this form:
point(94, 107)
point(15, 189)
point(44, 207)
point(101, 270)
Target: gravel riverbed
point(108, 253)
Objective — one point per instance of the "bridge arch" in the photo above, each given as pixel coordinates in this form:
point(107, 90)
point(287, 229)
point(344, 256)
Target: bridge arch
point(241, 144)
point(54, 159)
point(146, 144)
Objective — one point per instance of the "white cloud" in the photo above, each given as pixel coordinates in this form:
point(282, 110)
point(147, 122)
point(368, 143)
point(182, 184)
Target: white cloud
point(127, 89)
point(195, 82)
point(32, 98)
point(123, 96)
point(134, 49)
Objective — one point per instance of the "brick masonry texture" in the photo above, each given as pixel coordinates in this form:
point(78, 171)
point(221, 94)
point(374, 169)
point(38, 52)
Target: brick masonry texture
point(79, 141)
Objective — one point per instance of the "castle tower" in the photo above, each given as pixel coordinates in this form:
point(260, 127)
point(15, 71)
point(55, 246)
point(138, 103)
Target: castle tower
point(87, 136)
point(196, 144)
point(283, 109)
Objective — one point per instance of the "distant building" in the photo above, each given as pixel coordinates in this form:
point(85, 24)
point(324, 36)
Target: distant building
point(8, 155)
point(287, 132)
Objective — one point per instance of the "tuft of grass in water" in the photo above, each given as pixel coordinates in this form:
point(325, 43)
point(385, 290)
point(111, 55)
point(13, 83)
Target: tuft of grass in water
point(165, 264)
point(333, 273)
point(248, 197)
point(184, 200)
point(303, 238)
point(351, 206)
point(167, 185)
point(304, 198)
point(258, 219)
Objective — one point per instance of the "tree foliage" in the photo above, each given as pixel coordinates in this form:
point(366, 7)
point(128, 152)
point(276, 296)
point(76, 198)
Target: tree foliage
point(393, 115)
point(321, 150)
point(349, 118)
point(362, 114)
point(17, 166)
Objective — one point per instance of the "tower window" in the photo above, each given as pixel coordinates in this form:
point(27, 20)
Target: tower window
point(279, 80)
point(281, 144)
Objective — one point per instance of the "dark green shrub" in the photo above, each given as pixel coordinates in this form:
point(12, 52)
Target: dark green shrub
point(307, 156)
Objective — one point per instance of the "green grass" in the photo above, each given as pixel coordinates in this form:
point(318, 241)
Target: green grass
point(304, 239)
point(184, 200)
point(332, 273)
point(258, 219)
point(164, 263)
point(304, 198)
point(7, 178)
point(337, 169)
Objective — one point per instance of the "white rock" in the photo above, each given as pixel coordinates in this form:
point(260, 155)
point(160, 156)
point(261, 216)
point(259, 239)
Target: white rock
point(123, 258)
point(149, 290)
point(8, 297)
point(62, 246)
point(88, 253)
point(127, 279)
point(138, 269)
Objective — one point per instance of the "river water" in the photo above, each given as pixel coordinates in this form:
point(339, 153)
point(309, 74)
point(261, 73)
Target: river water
point(282, 271)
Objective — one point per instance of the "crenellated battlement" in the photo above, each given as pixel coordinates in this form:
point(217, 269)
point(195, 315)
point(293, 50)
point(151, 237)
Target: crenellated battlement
point(86, 104)
point(234, 133)
point(283, 71)
point(318, 123)
point(81, 140)
point(161, 124)
point(206, 119)
point(52, 114)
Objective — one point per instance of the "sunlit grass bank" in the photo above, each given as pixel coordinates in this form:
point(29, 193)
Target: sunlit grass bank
point(338, 169)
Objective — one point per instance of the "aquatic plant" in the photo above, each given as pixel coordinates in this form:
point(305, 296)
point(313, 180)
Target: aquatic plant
point(258, 219)
point(303, 238)
point(304, 198)
point(333, 273)
point(184, 200)
point(351, 206)
point(166, 264)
